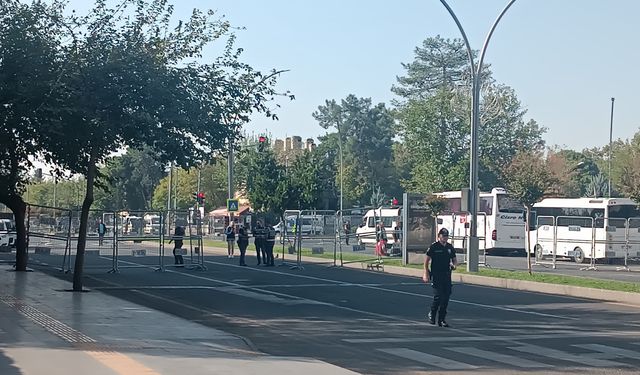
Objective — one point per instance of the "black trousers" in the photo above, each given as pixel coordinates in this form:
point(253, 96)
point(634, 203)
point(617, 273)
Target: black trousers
point(441, 293)
point(243, 250)
point(269, 250)
point(258, 244)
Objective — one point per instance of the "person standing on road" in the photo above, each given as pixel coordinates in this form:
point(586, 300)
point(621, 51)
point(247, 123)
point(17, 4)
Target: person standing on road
point(178, 237)
point(270, 242)
point(381, 240)
point(347, 231)
point(259, 241)
point(230, 233)
point(243, 242)
point(442, 257)
point(102, 229)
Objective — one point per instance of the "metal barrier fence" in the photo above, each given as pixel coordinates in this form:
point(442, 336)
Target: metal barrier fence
point(586, 239)
point(460, 233)
point(374, 235)
point(49, 230)
point(53, 233)
point(183, 227)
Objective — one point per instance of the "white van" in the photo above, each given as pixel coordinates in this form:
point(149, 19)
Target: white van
point(152, 224)
point(7, 233)
point(309, 225)
point(391, 217)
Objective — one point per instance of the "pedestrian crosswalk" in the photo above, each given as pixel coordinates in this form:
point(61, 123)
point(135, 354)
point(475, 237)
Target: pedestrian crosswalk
point(523, 356)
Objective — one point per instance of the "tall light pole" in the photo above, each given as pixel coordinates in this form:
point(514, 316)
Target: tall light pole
point(610, 145)
point(476, 73)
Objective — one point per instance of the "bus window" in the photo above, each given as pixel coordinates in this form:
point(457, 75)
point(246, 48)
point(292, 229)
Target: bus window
point(486, 205)
point(452, 206)
point(506, 204)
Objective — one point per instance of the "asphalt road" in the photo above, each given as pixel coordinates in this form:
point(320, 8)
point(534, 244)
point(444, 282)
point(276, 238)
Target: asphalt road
point(374, 323)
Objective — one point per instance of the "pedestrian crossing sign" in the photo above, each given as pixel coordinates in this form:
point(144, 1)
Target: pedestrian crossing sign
point(232, 205)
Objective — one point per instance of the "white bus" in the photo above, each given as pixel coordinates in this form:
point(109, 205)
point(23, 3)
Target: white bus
point(500, 222)
point(585, 228)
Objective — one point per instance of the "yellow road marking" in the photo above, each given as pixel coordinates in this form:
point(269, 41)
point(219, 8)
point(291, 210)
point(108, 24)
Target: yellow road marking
point(121, 364)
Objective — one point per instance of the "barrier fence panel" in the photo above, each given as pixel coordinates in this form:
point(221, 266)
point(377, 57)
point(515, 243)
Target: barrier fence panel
point(575, 239)
point(632, 248)
point(356, 236)
point(291, 239)
point(49, 234)
point(459, 233)
point(186, 249)
point(100, 244)
point(317, 233)
point(139, 238)
point(613, 241)
point(545, 241)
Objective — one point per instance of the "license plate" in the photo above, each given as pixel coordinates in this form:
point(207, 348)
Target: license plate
point(514, 237)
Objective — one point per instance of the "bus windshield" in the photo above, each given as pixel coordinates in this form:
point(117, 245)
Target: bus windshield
point(506, 204)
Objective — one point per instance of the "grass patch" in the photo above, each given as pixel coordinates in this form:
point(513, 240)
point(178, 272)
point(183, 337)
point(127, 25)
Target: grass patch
point(543, 277)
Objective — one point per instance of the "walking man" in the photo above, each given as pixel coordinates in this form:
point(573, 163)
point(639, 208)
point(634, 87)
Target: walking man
point(442, 257)
point(178, 237)
point(102, 229)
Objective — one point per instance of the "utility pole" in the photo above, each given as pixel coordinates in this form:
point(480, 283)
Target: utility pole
point(476, 72)
point(610, 145)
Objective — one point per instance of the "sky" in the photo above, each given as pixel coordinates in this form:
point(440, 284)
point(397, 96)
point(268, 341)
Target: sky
point(565, 59)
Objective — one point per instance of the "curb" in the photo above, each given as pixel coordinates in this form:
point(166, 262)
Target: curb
point(523, 285)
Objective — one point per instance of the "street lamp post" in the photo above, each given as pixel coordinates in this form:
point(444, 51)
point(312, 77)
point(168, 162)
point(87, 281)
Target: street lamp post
point(610, 145)
point(476, 72)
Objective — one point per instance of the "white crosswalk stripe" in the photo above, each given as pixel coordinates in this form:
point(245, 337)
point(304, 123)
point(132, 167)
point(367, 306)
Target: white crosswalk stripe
point(583, 359)
point(433, 360)
point(498, 357)
point(610, 350)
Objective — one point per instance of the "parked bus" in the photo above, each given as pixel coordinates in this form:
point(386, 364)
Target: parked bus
point(500, 222)
point(582, 228)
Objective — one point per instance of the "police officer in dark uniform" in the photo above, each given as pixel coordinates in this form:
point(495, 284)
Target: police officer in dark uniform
point(269, 243)
point(442, 257)
point(259, 239)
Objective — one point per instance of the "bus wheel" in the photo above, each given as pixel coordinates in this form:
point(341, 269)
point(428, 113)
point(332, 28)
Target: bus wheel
point(578, 255)
point(538, 252)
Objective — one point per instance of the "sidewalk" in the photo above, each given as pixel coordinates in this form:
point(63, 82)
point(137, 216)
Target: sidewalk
point(46, 330)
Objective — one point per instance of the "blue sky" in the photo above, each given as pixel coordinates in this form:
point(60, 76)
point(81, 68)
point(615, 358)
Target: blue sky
point(565, 59)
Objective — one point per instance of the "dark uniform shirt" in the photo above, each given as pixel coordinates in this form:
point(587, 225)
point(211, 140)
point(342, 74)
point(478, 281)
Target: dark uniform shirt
point(441, 257)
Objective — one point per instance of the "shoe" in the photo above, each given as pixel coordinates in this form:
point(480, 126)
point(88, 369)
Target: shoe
point(432, 320)
point(443, 324)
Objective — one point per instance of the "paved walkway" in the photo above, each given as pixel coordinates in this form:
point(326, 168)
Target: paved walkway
point(46, 330)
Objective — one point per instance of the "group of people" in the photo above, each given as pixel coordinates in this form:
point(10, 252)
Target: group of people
point(264, 240)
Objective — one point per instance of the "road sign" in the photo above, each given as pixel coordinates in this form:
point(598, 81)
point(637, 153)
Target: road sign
point(232, 205)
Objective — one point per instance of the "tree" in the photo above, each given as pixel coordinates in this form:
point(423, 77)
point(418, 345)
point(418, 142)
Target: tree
point(131, 81)
point(365, 135)
point(528, 178)
point(434, 118)
point(29, 64)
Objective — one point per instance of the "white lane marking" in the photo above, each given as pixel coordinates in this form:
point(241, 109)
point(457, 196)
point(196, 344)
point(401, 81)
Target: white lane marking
point(388, 340)
point(310, 301)
point(429, 359)
point(582, 359)
point(498, 357)
point(610, 350)
point(404, 293)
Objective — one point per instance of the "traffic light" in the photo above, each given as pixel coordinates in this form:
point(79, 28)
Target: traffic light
point(262, 141)
point(195, 196)
point(201, 197)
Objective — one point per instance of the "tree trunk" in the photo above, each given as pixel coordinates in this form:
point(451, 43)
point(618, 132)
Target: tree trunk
point(82, 233)
point(17, 205)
